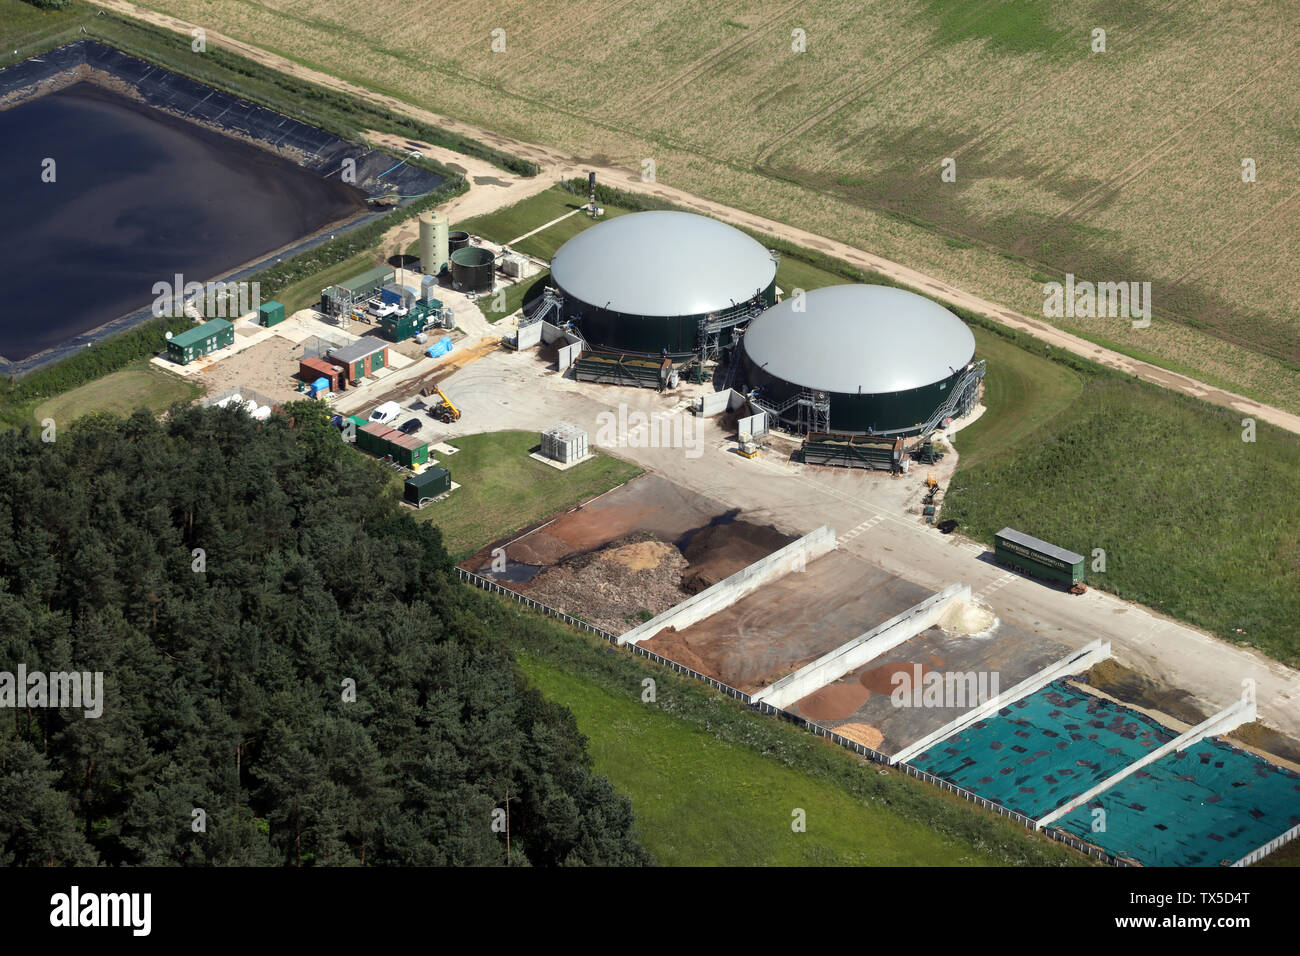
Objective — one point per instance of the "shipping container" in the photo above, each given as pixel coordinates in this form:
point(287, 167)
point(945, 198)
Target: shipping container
point(427, 485)
point(270, 313)
point(1023, 552)
point(413, 451)
point(310, 369)
point(370, 438)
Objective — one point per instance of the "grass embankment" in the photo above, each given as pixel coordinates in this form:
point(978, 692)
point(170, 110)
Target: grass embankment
point(704, 801)
point(1022, 391)
point(306, 292)
point(505, 225)
point(523, 217)
point(1194, 521)
point(138, 386)
point(713, 782)
point(27, 29)
point(502, 489)
point(515, 296)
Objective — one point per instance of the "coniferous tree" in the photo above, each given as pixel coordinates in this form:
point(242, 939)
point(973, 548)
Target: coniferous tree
point(229, 579)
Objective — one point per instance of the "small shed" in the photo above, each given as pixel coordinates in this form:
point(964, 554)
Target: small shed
point(270, 313)
point(361, 358)
point(310, 369)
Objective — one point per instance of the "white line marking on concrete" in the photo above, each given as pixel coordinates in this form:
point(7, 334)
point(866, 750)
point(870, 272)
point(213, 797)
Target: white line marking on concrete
point(864, 526)
point(1006, 578)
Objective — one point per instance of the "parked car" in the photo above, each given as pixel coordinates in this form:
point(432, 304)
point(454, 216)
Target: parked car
point(410, 426)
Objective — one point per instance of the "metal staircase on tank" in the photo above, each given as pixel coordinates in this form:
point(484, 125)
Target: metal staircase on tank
point(814, 409)
point(957, 404)
point(706, 336)
point(551, 307)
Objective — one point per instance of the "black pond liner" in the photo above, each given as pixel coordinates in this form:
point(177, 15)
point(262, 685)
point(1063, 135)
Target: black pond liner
point(314, 149)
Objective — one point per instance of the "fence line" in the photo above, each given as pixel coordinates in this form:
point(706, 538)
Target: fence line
point(487, 584)
point(875, 756)
point(1257, 854)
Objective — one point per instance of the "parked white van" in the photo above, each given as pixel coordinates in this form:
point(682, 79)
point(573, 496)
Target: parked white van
point(386, 413)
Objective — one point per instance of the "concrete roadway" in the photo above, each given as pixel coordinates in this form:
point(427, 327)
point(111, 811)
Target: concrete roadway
point(509, 390)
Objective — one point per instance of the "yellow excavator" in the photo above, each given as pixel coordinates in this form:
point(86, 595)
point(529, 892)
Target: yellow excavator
point(445, 411)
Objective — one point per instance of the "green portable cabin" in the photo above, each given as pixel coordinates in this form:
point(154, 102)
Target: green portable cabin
point(408, 450)
point(270, 313)
point(1039, 558)
point(355, 423)
point(200, 340)
point(374, 438)
point(429, 483)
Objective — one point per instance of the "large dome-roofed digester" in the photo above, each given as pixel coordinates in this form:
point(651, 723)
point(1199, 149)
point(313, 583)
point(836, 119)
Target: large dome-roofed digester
point(885, 358)
point(644, 282)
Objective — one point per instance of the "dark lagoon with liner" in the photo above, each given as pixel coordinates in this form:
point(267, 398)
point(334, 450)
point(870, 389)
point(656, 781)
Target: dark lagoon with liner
point(139, 195)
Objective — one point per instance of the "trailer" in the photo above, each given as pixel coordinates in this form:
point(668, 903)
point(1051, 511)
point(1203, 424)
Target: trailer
point(616, 368)
point(1021, 551)
point(853, 451)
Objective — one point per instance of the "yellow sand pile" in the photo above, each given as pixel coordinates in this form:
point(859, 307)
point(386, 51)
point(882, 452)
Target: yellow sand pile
point(864, 734)
point(641, 556)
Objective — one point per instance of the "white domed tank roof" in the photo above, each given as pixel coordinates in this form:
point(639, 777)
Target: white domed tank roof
point(663, 264)
point(860, 338)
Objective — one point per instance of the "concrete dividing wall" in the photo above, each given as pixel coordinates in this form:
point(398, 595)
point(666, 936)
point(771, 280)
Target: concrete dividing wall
point(863, 648)
point(715, 403)
point(753, 426)
point(567, 355)
point(795, 556)
point(551, 333)
point(530, 335)
point(1242, 712)
point(1072, 663)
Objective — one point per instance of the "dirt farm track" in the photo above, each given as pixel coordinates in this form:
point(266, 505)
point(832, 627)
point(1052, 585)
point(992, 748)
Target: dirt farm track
point(1225, 353)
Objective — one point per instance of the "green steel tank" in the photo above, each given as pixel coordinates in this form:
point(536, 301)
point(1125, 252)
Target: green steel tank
point(880, 360)
point(648, 282)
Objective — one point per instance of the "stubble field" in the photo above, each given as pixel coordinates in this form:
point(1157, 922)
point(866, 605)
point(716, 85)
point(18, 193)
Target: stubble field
point(1115, 166)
